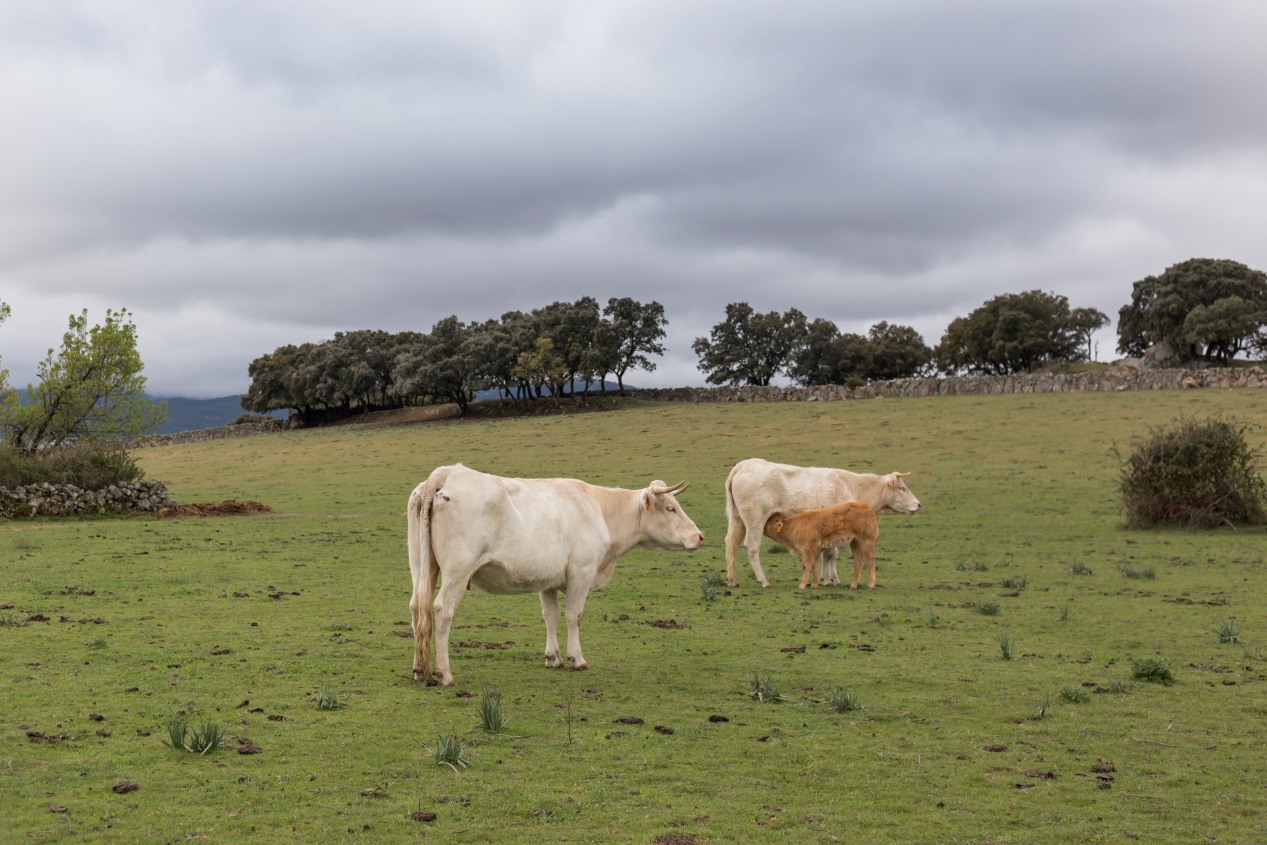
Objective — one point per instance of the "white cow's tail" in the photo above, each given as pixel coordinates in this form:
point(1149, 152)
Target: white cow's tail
point(425, 569)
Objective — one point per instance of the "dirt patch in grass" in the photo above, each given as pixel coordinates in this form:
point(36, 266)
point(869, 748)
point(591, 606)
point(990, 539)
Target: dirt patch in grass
point(226, 508)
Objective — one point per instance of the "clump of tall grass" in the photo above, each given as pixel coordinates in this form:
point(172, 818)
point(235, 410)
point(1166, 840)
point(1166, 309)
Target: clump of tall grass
point(1006, 646)
point(1151, 669)
point(1074, 694)
point(762, 688)
point(209, 737)
point(988, 608)
point(492, 720)
point(1131, 572)
point(710, 586)
point(327, 700)
point(1080, 568)
point(1016, 582)
point(1227, 632)
point(449, 751)
point(842, 701)
point(932, 618)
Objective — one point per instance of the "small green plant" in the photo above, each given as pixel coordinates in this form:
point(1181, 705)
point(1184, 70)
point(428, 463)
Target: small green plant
point(1005, 646)
point(1131, 572)
point(1065, 613)
point(327, 700)
point(1228, 632)
point(11, 621)
point(988, 608)
point(1256, 654)
point(842, 701)
point(1081, 568)
point(1119, 687)
point(1074, 694)
point(1151, 669)
point(709, 587)
point(1045, 709)
point(762, 688)
point(97, 642)
point(961, 565)
point(1016, 582)
point(449, 751)
point(194, 740)
point(492, 720)
point(932, 618)
point(979, 566)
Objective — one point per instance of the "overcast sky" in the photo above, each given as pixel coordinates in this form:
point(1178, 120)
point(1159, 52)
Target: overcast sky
point(243, 175)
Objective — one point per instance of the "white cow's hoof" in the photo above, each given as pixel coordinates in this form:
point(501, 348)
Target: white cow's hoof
point(579, 666)
point(553, 661)
point(765, 585)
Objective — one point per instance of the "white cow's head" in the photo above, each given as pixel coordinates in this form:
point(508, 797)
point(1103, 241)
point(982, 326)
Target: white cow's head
point(664, 525)
point(895, 496)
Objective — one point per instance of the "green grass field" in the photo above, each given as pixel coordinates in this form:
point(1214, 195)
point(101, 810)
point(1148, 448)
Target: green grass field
point(247, 620)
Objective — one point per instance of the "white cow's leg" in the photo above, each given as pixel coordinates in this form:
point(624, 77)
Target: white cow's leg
point(734, 536)
point(829, 567)
point(752, 545)
point(550, 612)
point(575, 607)
point(446, 604)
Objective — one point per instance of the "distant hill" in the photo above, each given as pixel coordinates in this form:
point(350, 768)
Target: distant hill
point(192, 414)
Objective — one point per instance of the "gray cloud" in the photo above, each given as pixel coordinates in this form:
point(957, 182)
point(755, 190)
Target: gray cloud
point(243, 175)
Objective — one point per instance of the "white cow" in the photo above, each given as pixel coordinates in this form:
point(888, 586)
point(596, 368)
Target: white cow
point(756, 489)
point(526, 535)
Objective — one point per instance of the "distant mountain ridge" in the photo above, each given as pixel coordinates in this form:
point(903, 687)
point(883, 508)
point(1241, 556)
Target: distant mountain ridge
point(185, 414)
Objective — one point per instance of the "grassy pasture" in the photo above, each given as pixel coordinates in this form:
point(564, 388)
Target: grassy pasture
point(247, 620)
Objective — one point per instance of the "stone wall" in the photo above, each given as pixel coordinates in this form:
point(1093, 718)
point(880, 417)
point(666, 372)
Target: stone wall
point(57, 500)
point(217, 433)
point(1115, 379)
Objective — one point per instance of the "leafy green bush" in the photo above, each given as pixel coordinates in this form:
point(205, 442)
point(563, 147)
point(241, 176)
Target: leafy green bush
point(88, 466)
point(1197, 473)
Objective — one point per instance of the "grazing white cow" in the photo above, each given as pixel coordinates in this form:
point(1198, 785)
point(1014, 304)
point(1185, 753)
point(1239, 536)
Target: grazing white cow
point(756, 489)
point(526, 535)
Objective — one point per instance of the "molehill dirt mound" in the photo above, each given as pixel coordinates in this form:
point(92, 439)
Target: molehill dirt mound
point(229, 508)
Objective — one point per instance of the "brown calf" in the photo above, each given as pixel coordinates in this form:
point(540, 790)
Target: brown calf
point(811, 532)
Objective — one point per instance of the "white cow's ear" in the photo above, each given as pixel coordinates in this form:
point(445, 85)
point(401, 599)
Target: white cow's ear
point(646, 499)
point(892, 481)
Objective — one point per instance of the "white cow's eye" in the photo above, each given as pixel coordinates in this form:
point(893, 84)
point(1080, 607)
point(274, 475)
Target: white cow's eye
point(671, 509)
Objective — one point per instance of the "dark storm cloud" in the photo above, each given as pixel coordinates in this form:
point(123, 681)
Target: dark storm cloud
point(243, 175)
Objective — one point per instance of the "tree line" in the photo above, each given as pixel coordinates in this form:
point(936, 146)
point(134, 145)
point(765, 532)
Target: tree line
point(550, 351)
point(91, 389)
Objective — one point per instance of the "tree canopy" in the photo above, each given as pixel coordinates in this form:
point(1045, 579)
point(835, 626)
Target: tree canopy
point(1203, 307)
point(826, 356)
point(91, 389)
point(1017, 332)
point(750, 348)
point(362, 371)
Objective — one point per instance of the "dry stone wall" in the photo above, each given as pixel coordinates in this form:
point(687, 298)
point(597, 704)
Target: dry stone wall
point(217, 433)
point(1115, 379)
point(65, 500)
